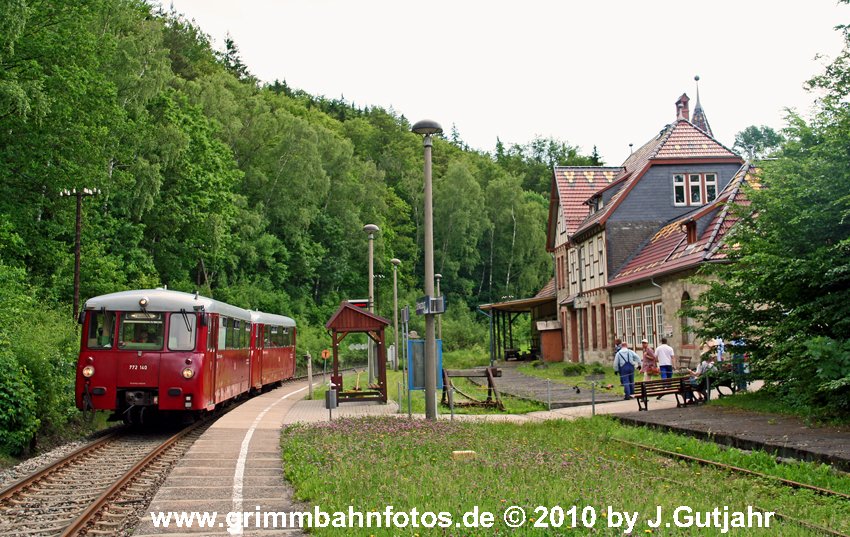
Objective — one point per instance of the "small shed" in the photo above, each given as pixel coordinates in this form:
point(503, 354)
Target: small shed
point(353, 319)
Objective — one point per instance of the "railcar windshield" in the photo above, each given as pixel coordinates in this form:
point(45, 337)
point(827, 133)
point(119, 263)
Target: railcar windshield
point(181, 332)
point(141, 331)
point(101, 330)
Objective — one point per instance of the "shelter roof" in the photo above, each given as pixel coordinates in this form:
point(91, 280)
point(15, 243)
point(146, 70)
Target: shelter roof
point(546, 294)
point(668, 250)
point(351, 318)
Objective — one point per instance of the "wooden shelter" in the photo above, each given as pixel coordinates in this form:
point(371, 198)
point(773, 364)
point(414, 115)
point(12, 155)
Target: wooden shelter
point(353, 319)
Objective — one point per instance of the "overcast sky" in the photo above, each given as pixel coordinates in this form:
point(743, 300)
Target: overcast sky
point(601, 72)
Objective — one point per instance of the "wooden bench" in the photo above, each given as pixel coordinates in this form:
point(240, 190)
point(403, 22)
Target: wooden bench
point(679, 386)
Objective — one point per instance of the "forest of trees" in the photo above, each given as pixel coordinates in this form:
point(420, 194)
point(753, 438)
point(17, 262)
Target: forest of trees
point(209, 180)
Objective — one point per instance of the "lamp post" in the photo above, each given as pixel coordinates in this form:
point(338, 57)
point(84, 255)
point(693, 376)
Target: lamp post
point(428, 127)
point(439, 277)
point(79, 194)
point(371, 229)
point(396, 263)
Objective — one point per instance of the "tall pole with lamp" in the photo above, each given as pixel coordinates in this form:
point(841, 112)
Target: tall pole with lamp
point(79, 194)
point(396, 262)
point(427, 128)
point(371, 229)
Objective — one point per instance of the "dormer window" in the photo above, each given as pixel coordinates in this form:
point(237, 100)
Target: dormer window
point(694, 189)
point(595, 204)
point(691, 230)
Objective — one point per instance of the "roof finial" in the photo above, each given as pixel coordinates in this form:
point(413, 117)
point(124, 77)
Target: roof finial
point(630, 148)
point(696, 79)
point(699, 119)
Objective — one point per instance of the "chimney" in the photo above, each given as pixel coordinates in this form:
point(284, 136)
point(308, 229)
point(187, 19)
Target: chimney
point(682, 111)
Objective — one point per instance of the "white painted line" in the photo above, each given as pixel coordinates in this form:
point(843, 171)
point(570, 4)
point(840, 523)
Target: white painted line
point(239, 474)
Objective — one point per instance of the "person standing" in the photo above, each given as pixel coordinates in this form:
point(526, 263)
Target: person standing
point(649, 362)
point(664, 353)
point(625, 362)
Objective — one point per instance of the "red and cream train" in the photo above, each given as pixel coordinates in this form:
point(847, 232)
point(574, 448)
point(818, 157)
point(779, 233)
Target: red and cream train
point(155, 350)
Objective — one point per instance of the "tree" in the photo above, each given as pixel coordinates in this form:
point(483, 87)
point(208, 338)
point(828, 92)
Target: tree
point(758, 142)
point(787, 288)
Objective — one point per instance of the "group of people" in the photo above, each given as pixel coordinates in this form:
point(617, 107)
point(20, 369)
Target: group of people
point(659, 361)
point(654, 361)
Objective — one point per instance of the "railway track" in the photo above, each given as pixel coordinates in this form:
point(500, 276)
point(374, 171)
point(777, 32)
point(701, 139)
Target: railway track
point(100, 489)
point(750, 473)
point(735, 469)
point(69, 497)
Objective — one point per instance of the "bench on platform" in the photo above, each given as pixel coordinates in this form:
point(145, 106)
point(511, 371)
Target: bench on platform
point(679, 386)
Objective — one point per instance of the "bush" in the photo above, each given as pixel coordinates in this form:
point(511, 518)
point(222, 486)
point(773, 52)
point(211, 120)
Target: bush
point(574, 369)
point(18, 418)
point(38, 347)
point(597, 369)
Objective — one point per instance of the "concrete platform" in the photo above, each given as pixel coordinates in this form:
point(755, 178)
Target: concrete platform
point(234, 466)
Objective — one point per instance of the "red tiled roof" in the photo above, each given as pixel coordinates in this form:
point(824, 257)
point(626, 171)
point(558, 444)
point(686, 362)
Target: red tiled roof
point(679, 140)
point(688, 141)
point(575, 185)
point(668, 251)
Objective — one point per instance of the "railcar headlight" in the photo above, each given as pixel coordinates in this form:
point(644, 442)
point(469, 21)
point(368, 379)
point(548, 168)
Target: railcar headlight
point(188, 373)
point(88, 371)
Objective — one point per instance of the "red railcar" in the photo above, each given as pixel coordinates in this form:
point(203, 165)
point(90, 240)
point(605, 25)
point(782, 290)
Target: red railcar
point(155, 350)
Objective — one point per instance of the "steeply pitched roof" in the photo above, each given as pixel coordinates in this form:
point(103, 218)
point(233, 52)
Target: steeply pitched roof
point(668, 250)
point(575, 185)
point(679, 140)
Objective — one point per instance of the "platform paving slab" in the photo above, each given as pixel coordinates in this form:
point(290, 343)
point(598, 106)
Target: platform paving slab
point(204, 483)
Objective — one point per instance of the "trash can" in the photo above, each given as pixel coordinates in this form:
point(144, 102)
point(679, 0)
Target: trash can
point(330, 399)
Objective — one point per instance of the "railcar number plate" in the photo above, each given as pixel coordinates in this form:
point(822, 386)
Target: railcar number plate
point(138, 367)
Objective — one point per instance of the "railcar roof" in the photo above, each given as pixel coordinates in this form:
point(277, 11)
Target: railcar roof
point(271, 319)
point(164, 300)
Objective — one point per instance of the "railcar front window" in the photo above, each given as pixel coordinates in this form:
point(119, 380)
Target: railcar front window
point(141, 331)
point(101, 330)
point(181, 332)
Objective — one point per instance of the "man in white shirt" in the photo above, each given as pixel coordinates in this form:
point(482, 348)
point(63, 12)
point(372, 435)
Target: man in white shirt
point(664, 353)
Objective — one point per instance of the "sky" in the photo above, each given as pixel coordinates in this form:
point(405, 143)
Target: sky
point(602, 73)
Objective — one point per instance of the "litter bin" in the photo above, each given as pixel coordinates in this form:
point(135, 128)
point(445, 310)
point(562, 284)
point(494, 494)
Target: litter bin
point(330, 399)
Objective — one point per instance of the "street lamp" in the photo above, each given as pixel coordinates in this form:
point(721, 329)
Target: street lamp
point(78, 231)
point(439, 277)
point(371, 229)
point(396, 263)
point(427, 127)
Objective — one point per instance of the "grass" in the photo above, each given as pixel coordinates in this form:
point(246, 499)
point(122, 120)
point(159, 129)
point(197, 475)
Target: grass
point(371, 463)
point(818, 474)
point(513, 405)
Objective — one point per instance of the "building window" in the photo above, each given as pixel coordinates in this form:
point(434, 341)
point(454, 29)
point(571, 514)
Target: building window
point(647, 319)
point(710, 187)
point(659, 320)
point(638, 324)
point(593, 332)
point(619, 316)
point(678, 190)
point(604, 330)
point(694, 189)
point(639, 321)
point(600, 250)
point(573, 266)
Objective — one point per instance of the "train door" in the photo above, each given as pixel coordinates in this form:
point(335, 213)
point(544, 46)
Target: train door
point(210, 354)
point(257, 356)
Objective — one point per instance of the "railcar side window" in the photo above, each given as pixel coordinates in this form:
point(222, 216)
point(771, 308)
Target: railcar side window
point(181, 332)
point(223, 323)
point(141, 331)
point(101, 327)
